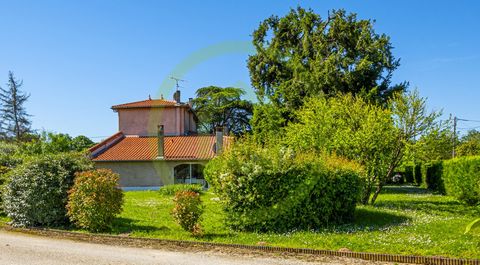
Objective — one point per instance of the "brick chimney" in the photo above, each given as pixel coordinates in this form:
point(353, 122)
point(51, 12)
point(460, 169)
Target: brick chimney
point(218, 140)
point(160, 141)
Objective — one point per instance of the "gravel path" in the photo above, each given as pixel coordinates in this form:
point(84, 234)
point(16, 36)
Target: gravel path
point(17, 248)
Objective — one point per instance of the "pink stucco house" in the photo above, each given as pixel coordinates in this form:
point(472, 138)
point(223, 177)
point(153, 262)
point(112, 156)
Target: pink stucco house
point(157, 144)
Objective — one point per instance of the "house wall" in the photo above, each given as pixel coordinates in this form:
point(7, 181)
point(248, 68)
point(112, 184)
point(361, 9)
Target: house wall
point(144, 121)
point(144, 173)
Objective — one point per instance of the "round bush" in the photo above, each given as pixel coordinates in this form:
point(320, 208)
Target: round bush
point(36, 194)
point(187, 211)
point(275, 189)
point(95, 199)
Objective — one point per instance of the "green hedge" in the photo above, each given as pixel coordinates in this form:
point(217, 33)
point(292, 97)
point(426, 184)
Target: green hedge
point(409, 174)
point(432, 179)
point(275, 189)
point(462, 178)
point(418, 174)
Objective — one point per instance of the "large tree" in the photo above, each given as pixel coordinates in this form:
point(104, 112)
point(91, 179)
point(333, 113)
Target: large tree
point(301, 55)
point(15, 120)
point(374, 136)
point(469, 144)
point(217, 106)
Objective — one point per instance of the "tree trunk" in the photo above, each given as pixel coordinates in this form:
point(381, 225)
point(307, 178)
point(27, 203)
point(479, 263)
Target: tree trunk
point(377, 191)
point(366, 194)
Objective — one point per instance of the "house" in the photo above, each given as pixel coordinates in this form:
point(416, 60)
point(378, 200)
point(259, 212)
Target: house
point(157, 144)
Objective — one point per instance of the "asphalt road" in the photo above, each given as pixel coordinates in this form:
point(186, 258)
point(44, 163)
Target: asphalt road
point(21, 249)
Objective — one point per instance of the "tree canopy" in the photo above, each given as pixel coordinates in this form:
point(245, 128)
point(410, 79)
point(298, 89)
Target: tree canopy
point(302, 54)
point(217, 106)
point(15, 121)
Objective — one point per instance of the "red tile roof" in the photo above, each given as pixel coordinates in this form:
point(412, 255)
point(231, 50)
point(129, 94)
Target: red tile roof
point(175, 148)
point(149, 103)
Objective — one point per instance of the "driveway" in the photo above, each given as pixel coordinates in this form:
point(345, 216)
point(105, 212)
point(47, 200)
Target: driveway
point(19, 249)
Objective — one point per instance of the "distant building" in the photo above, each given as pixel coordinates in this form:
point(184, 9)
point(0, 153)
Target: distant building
point(157, 144)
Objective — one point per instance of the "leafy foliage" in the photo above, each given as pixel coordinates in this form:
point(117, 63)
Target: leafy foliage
point(418, 173)
point(187, 211)
point(461, 178)
point(277, 189)
point(51, 143)
point(217, 106)
point(36, 194)
point(469, 144)
point(15, 122)
point(433, 176)
point(472, 225)
point(174, 188)
point(94, 200)
point(350, 127)
point(409, 174)
point(303, 55)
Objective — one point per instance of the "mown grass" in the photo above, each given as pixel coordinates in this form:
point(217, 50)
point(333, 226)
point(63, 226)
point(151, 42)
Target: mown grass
point(405, 220)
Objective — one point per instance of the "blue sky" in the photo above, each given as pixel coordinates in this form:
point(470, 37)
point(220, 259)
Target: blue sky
point(78, 58)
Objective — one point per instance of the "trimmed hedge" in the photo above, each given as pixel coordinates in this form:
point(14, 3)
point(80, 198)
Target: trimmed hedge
point(409, 176)
point(462, 178)
point(276, 189)
point(418, 174)
point(36, 194)
point(433, 176)
point(174, 188)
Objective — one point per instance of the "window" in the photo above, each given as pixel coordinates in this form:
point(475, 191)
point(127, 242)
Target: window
point(189, 174)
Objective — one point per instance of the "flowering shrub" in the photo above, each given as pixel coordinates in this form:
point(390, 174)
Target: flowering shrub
point(95, 199)
point(36, 194)
point(188, 210)
point(276, 189)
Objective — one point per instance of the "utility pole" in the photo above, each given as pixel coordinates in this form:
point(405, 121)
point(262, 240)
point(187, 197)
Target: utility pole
point(454, 135)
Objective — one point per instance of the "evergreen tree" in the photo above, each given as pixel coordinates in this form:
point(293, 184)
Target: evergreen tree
point(15, 122)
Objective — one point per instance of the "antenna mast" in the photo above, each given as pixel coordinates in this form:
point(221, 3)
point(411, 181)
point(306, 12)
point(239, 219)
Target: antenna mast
point(176, 82)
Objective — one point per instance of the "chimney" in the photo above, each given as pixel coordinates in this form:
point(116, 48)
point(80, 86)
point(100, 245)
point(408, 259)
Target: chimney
point(218, 140)
point(176, 96)
point(190, 102)
point(160, 141)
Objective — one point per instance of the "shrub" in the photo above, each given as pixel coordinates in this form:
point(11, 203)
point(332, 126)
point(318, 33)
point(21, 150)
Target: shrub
point(36, 194)
point(408, 174)
point(433, 177)
point(188, 210)
point(95, 200)
point(418, 174)
point(462, 179)
point(276, 189)
point(174, 188)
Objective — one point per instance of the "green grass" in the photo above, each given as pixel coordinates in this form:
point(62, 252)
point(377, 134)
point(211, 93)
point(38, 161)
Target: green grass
point(405, 220)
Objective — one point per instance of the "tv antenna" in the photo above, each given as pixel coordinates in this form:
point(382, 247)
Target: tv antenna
point(176, 81)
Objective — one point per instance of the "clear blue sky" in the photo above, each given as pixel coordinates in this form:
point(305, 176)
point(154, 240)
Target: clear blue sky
point(78, 58)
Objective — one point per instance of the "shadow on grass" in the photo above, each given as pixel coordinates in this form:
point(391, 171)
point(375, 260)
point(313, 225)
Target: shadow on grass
point(430, 207)
point(126, 225)
point(370, 219)
point(407, 189)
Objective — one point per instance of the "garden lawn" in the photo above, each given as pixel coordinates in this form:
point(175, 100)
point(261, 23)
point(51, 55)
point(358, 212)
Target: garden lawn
point(405, 220)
